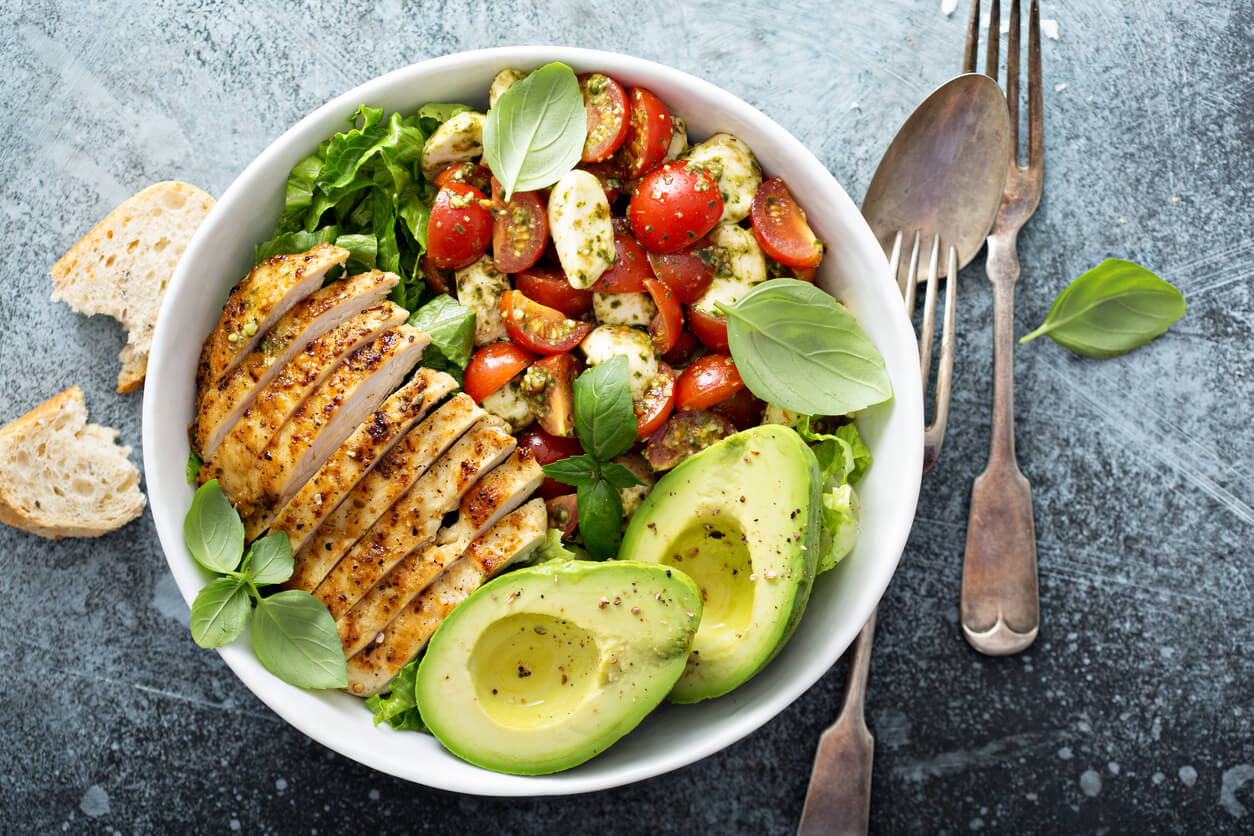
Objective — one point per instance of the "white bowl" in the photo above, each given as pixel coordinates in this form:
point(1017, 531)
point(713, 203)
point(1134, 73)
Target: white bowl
point(673, 736)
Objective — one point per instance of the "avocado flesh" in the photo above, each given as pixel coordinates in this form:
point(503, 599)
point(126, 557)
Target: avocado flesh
point(741, 518)
point(545, 667)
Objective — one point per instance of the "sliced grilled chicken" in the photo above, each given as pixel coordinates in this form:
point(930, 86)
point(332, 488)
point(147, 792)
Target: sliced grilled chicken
point(268, 291)
point(510, 540)
point(218, 407)
point(415, 518)
point(279, 399)
point(496, 495)
point(381, 487)
point(360, 452)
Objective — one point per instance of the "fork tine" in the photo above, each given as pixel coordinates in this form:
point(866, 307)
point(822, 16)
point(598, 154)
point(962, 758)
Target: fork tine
point(934, 434)
point(894, 264)
point(928, 328)
point(973, 38)
point(994, 40)
point(1012, 81)
point(1036, 107)
point(912, 278)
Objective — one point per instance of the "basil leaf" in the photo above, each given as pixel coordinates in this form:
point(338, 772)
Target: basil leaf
point(605, 420)
point(580, 471)
point(399, 708)
point(600, 519)
point(799, 349)
point(452, 329)
point(618, 476)
point(271, 559)
point(1110, 310)
point(213, 531)
point(294, 636)
point(536, 132)
point(220, 612)
point(194, 464)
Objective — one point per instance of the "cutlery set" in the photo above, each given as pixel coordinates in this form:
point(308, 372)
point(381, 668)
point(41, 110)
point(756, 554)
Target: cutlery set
point(950, 181)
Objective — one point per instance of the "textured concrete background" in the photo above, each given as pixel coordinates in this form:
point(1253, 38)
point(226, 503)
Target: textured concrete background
point(1133, 712)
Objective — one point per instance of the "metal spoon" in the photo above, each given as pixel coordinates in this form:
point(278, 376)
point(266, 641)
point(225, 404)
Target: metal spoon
point(940, 182)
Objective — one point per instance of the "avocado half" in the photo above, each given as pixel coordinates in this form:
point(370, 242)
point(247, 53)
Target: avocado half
point(741, 518)
point(543, 668)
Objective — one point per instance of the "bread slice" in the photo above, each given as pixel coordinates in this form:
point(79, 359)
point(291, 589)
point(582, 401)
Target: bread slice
point(121, 268)
point(62, 477)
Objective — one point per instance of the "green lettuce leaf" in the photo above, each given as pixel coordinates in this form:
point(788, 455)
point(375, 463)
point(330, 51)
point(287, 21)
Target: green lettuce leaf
point(553, 548)
point(840, 512)
point(452, 329)
point(843, 459)
point(398, 707)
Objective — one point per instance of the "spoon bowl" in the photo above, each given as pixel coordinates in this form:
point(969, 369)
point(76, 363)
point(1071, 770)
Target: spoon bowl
point(944, 172)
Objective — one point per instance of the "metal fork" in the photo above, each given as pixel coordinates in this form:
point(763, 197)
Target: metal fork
point(1000, 599)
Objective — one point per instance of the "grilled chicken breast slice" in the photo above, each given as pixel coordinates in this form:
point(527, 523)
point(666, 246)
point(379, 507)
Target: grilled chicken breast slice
point(510, 540)
point(279, 399)
point(359, 453)
point(268, 291)
point(496, 495)
point(415, 518)
point(380, 488)
point(218, 407)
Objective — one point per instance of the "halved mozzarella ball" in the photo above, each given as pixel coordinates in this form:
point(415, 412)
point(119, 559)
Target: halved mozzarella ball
point(480, 288)
point(510, 403)
point(608, 341)
point(459, 140)
point(623, 308)
point(733, 165)
point(579, 221)
point(504, 80)
point(738, 266)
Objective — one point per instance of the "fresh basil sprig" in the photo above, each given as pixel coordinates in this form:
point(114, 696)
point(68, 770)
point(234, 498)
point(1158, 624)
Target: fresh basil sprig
point(797, 348)
point(1110, 310)
point(536, 131)
point(605, 422)
point(293, 634)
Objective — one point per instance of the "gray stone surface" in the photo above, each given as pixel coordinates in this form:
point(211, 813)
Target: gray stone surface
point(1134, 711)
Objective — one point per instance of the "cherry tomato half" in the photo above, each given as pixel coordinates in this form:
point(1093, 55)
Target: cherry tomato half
point(648, 134)
point(631, 264)
point(710, 330)
point(492, 367)
point(549, 449)
point(707, 382)
point(472, 174)
point(555, 376)
point(460, 227)
point(674, 205)
point(606, 103)
point(744, 409)
point(563, 510)
point(688, 272)
point(520, 229)
point(684, 351)
point(668, 324)
point(438, 280)
point(611, 176)
point(805, 274)
point(548, 286)
point(780, 226)
point(683, 434)
point(657, 403)
point(539, 328)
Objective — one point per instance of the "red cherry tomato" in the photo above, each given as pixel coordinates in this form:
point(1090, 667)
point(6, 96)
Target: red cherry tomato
point(438, 280)
point(611, 176)
point(710, 330)
point(805, 274)
point(648, 134)
point(606, 103)
point(492, 367)
point(557, 372)
point(684, 350)
point(707, 382)
point(631, 264)
point(563, 510)
point(548, 286)
point(472, 174)
point(674, 205)
point(688, 272)
point(669, 322)
point(460, 227)
point(744, 409)
point(683, 434)
point(539, 328)
point(520, 229)
point(657, 403)
point(780, 226)
point(549, 449)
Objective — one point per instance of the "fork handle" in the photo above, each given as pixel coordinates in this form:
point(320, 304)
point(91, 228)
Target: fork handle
point(1000, 598)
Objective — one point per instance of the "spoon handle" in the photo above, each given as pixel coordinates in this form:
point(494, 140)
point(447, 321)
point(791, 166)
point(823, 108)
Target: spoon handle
point(839, 799)
point(1000, 601)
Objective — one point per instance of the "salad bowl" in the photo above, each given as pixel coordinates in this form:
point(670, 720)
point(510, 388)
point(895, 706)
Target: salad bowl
point(854, 270)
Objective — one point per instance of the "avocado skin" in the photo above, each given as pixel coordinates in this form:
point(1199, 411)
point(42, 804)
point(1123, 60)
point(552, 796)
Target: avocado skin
point(643, 617)
point(717, 477)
